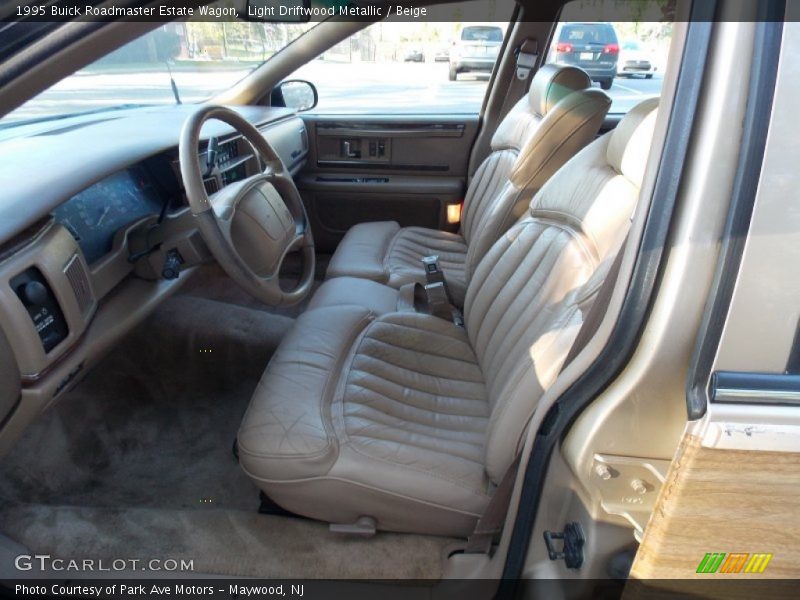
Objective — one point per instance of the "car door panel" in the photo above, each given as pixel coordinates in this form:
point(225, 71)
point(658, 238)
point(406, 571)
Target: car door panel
point(384, 168)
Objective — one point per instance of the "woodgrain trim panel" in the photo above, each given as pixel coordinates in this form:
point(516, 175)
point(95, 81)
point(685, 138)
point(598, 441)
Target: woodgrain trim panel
point(731, 501)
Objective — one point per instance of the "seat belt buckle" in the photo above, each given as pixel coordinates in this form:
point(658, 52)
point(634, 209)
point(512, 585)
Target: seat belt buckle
point(433, 272)
point(437, 296)
point(527, 54)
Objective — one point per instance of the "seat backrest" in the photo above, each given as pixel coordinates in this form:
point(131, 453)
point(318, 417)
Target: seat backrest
point(559, 116)
point(529, 294)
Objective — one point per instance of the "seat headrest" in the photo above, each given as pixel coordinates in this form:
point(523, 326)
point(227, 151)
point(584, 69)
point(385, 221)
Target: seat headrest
point(552, 83)
point(596, 191)
point(630, 141)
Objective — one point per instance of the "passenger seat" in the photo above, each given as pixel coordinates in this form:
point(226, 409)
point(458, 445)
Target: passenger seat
point(409, 422)
point(558, 117)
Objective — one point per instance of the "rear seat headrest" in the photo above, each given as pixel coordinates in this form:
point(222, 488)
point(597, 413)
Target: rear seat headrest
point(553, 83)
point(630, 141)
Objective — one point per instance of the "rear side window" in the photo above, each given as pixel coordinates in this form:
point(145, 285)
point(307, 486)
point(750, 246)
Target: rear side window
point(482, 34)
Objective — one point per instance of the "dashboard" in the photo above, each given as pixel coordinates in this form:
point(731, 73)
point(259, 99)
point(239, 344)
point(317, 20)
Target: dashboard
point(84, 239)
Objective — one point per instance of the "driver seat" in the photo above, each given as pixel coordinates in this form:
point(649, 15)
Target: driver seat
point(411, 420)
point(553, 121)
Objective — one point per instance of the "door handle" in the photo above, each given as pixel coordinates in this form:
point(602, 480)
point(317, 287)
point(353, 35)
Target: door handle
point(347, 150)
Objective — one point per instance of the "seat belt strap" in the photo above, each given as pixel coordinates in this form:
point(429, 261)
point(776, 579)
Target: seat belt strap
point(527, 54)
point(490, 525)
point(598, 309)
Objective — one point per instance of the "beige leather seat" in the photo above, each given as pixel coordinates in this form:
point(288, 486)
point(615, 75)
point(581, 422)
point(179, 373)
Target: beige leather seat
point(544, 130)
point(412, 420)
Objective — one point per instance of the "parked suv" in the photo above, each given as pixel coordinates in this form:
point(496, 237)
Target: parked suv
point(475, 49)
point(591, 46)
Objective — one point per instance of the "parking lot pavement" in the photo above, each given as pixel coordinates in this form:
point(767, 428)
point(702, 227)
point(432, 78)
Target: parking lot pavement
point(344, 88)
point(629, 91)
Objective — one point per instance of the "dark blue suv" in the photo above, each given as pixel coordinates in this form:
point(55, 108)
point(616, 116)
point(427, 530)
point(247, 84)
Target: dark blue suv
point(591, 46)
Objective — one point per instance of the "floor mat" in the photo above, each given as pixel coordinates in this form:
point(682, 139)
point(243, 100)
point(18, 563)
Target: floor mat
point(154, 423)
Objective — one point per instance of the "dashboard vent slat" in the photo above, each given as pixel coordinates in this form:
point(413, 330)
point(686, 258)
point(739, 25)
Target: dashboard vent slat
point(212, 185)
point(78, 279)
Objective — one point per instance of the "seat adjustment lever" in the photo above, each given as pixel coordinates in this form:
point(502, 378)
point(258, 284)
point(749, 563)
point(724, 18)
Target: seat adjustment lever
point(364, 527)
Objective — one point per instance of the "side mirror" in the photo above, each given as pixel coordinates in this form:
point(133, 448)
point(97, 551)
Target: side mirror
point(295, 93)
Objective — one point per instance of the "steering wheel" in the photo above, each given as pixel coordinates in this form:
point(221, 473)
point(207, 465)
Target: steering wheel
point(251, 225)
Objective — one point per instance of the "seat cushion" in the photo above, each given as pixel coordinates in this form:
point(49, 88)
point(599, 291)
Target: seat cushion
point(404, 259)
point(385, 253)
point(376, 297)
point(362, 251)
point(396, 433)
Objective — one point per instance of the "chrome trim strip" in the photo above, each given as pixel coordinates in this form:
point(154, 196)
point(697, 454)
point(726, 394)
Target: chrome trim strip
point(755, 395)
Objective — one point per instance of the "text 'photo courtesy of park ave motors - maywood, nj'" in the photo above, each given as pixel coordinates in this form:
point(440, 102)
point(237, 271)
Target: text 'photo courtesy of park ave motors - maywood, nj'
point(258, 10)
point(159, 589)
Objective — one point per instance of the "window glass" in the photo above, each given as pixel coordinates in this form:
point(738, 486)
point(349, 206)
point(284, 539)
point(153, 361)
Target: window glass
point(626, 55)
point(438, 66)
point(190, 61)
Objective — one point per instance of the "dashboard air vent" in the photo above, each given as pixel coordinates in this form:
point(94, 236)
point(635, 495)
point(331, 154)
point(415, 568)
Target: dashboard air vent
point(78, 279)
point(212, 185)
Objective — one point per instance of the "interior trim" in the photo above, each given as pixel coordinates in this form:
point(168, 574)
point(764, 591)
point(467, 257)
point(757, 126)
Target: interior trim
point(384, 130)
point(365, 164)
point(30, 380)
point(755, 388)
point(26, 237)
point(763, 74)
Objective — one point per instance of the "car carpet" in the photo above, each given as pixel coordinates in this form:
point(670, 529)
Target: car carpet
point(223, 542)
point(137, 460)
point(154, 422)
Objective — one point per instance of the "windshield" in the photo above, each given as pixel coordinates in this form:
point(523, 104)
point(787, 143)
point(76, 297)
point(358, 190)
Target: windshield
point(202, 59)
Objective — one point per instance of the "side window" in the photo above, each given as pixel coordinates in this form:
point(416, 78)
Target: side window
point(416, 67)
point(626, 57)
